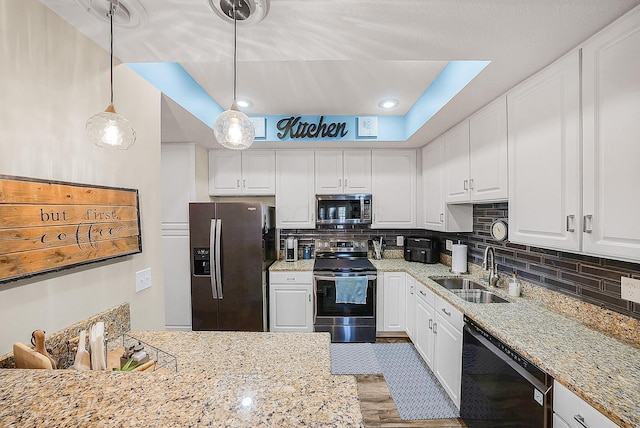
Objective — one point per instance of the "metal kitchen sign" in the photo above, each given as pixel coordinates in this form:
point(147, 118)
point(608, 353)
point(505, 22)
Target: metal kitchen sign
point(295, 128)
point(47, 226)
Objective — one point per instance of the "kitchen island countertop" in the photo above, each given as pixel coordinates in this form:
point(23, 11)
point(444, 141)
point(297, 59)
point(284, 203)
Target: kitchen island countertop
point(224, 379)
point(600, 369)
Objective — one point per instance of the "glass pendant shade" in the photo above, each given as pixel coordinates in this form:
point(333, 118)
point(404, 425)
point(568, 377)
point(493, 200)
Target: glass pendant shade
point(111, 130)
point(233, 129)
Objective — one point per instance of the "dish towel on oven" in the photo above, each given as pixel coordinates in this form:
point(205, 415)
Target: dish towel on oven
point(351, 289)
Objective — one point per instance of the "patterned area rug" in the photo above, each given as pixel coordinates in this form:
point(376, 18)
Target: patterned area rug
point(414, 388)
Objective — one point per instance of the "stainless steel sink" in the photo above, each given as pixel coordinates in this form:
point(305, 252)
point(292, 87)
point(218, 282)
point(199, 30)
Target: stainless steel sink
point(457, 283)
point(478, 296)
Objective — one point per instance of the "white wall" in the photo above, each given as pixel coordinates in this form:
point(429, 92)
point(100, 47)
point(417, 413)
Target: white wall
point(52, 78)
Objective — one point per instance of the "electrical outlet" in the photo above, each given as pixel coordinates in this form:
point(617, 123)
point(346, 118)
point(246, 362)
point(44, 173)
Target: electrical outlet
point(631, 289)
point(449, 245)
point(143, 279)
point(400, 241)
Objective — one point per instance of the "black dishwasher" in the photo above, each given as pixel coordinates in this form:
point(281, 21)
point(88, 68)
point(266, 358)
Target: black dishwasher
point(501, 388)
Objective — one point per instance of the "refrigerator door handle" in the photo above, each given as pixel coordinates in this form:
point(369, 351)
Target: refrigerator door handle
point(212, 243)
point(218, 267)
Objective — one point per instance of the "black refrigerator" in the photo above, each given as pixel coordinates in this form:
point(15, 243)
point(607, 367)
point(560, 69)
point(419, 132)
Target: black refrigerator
point(232, 246)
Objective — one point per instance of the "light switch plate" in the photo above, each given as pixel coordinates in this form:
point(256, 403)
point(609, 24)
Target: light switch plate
point(399, 241)
point(143, 279)
point(631, 289)
point(449, 245)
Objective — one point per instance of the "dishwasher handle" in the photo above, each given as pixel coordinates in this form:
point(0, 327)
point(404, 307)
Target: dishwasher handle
point(515, 366)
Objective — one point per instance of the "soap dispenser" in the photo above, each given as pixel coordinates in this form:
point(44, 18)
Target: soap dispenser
point(514, 286)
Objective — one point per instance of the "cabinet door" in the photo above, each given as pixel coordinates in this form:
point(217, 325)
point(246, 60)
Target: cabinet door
point(432, 195)
point(424, 337)
point(225, 172)
point(259, 172)
point(447, 364)
point(357, 171)
point(544, 157)
point(328, 172)
point(410, 311)
point(456, 159)
point(488, 153)
point(294, 189)
point(394, 301)
point(611, 90)
point(291, 307)
point(394, 188)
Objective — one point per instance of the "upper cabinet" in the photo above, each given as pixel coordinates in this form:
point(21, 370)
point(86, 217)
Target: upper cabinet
point(434, 213)
point(250, 172)
point(476, 156)
point(342, 171)
point(544, 157)
point(394, 188)
point(295, 199)
point(611, 149)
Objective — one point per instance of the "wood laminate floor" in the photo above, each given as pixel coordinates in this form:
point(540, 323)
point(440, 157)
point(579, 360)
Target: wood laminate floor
point(378, 408)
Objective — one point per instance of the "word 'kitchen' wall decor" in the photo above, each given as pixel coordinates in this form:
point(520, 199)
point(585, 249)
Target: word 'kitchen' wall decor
point(46, 226)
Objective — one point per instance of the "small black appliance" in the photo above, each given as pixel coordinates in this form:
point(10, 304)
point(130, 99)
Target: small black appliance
point(423, 250)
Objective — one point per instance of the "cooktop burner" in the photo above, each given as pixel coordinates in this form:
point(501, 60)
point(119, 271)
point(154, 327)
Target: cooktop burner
point(342, 256)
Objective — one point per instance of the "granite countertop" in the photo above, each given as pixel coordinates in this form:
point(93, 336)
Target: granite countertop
point(600, 369)
point(300, 265)
point(223, 379)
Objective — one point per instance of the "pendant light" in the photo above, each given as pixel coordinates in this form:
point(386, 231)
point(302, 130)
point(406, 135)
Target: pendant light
point(108, 128)
point(232, 128)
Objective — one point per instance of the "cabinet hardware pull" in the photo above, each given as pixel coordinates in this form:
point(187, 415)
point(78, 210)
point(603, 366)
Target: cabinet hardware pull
point(238, 183)
point(466, 185)
point(435, 330)
point(580, 419)
point(411, 288)
point(423, 293)
point(345, 183)
point(244, 184)
point(571, 219)
point(471, 184)
point(309, 296)
point(430, 324)
point(441, 217)
point(586, 218)
point(291, 279)
point(446, 313)
point(340, 182)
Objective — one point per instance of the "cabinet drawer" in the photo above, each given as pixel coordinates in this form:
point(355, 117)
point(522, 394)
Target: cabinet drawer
point(575, 411)
point(291, 277)
point(424, 294)
point(449, 313)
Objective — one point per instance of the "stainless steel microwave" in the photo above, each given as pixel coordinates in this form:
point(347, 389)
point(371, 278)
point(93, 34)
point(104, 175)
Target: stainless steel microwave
point(340, 210)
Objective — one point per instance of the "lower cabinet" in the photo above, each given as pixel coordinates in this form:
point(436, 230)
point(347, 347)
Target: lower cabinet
point(410, 309)
point(569, 410)
point(438, 339)
point(291, 301)
point(393, 308)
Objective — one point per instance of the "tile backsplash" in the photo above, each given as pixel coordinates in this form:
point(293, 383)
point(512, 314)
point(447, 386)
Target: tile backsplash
point(592, 279)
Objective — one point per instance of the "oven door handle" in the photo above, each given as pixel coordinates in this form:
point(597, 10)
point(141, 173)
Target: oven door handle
point(515, 366)
point(333, 278)
point(315, 301)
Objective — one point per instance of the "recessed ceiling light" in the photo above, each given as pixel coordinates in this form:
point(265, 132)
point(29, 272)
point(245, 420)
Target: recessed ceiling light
point(388, 104)
point(244, 103)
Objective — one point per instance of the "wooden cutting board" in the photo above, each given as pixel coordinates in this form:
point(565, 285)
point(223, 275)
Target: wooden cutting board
point(27, 358)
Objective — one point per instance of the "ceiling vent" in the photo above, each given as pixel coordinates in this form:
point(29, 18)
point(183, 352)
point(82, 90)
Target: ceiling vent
point(129, 13)
point(249, 12)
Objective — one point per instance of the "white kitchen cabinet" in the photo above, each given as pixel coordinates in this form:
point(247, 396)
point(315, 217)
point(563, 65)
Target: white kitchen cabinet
point(544, 157)
point(241, 173)
point(394, 306)
point(447, 361)
point(342, 171)
point(434, 213)
point(394, 188)
point(610, 108)
point(184, 180)
point(295, 198)
point(476, 156)
point(424, 319)
point(410, 311)
point(291, 301)
point(575, 412)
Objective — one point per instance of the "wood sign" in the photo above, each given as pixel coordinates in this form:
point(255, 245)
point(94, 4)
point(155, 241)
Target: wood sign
point(47, 226)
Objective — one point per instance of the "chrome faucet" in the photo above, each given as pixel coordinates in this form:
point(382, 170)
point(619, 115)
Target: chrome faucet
point(492, 268)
